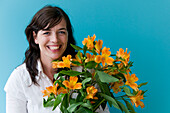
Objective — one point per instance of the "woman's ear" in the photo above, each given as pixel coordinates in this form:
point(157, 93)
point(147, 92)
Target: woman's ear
point(35, 37)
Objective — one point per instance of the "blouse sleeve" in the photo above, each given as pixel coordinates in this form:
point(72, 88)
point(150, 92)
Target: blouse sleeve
point(15, 98)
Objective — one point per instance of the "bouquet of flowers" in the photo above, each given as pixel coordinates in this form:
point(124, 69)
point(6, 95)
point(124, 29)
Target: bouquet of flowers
point(92, 79)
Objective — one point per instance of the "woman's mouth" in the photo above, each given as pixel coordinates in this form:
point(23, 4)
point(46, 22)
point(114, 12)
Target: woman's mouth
point(54, 48)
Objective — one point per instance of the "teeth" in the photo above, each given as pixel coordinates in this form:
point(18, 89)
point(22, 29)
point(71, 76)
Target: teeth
point(54, 48)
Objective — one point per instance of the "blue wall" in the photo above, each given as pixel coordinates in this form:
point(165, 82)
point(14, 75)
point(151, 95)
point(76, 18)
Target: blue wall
point(142, 26)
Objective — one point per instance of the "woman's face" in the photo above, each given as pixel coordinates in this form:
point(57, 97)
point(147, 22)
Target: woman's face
point(52, 42)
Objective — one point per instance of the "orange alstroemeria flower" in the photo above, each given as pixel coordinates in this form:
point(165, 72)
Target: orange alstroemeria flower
point(72, 84)
point(116, 86)
point(91, 92)
point(62, 64)
point(46, 93)
point(67, 60)
point(104, 58)
point(89, 57)
point(136, 99)
point(89, 41)
point(77, 58)
point(53, 89)
point(130, 80)
point(98, 46)
point(123, 55)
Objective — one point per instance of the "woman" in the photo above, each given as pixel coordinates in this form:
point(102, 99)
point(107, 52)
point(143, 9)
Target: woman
point(49, 35)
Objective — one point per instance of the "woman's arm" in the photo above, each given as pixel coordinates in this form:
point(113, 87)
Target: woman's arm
point(15, 97)
point(15, 105)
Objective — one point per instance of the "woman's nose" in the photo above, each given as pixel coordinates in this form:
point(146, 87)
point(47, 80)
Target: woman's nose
point(54, 38)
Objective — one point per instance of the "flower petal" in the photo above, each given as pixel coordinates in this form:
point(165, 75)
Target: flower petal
point(66, 83)
point(78, 86)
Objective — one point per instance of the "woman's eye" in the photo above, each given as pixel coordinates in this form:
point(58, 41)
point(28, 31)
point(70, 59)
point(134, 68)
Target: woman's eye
point(62, 32)
point(46, 33)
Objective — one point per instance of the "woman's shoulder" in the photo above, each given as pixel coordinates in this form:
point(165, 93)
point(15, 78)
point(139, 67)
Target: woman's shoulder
point(20, 71)
point(20, 75)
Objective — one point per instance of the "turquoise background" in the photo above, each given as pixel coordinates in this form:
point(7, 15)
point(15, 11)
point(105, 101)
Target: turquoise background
point(142, 26)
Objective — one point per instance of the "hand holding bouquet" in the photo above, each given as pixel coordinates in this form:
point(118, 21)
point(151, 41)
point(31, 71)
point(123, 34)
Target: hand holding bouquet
point(99, 78)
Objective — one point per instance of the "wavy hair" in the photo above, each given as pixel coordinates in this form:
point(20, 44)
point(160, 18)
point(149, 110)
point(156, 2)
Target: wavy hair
point(50, 16)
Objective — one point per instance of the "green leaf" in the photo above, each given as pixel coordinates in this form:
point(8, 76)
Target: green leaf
point(79, 54)
point(129, 106)
point(87, 74)
point(110, 99)
point(73, 107)
point(76, 62)
point(59, 81)
point(93, 51)
point(127, 91)
point(56, 75)
point(76, 47)
point(85, 81)
point(91, 64)
point(85, 49)
point(123, 107)
point(87, 105)
point(65, 103)
point(82, 92)
point(83, 110)
point(48, 103)
point(104, 77)
point(58, 100)
point(71, 72)
point(122, 76)
point(72, 101)
point(80, 97)
point(52, 96)
point(103, 86)
point(144, 92)
point(142, 84)
point(63, 109)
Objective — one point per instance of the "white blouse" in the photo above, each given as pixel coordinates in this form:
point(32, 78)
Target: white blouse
point(22, 96)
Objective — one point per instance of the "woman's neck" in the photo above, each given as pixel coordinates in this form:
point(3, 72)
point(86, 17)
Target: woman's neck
point(47, 68)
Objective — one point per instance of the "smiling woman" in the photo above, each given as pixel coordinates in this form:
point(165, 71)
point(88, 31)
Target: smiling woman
point(50, 37)
point(48, 34)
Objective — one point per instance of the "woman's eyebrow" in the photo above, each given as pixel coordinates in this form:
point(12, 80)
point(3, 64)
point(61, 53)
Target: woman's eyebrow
point(62, 28)
point(49, 29)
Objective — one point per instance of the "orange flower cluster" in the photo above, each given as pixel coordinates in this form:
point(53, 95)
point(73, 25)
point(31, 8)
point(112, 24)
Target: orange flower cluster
point(72, 84)
point(53, 89)
point(104, 58)
point(96, 58)
point(62, 64)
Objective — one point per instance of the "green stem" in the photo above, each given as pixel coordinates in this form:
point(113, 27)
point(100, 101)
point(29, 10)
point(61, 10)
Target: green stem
point(99, 104)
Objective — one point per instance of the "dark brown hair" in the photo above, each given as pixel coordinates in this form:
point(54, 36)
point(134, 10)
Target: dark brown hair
point(50, 16)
